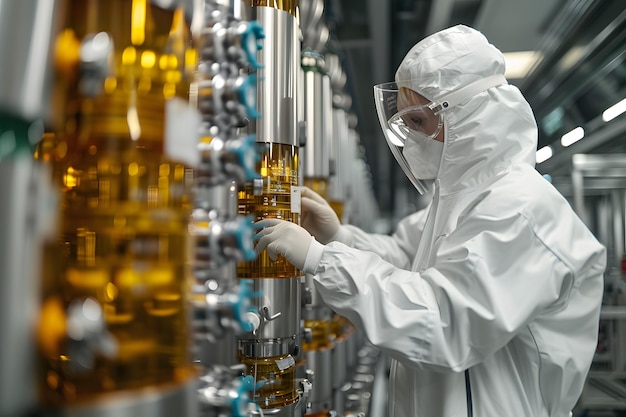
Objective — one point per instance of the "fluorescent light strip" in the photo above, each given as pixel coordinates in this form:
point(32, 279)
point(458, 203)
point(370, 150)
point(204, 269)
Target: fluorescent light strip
point(543, 154)
point(572, 136)
point(519, 63)
point(614, 111)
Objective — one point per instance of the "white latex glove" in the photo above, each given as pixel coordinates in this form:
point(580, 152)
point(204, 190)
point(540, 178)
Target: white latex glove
point(281, 237)
point(318, 217)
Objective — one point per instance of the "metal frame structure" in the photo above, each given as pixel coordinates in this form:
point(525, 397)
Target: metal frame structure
point(598, 194)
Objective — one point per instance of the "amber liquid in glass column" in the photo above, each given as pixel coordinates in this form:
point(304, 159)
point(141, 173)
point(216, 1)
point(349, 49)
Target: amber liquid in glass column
point(125, 210)
point(279, 171)
point(278, 376)
point(320, 335)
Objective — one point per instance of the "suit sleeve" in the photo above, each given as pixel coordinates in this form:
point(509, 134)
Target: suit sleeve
point(489, 278)
point(398, 249)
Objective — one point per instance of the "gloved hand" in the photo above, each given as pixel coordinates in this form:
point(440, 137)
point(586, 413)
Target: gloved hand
point(281, 237)
point(318, 217)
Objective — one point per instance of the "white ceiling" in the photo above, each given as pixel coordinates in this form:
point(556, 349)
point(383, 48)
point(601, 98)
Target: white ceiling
point(511, 25)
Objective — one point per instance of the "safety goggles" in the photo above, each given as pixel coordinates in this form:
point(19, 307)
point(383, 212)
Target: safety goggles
point(401, 119)
point(415, 122)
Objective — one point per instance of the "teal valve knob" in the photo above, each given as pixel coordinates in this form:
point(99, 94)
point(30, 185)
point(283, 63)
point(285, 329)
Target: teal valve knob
point(247, 382)
point(243, 305)
point(250, 42)
point(241, 399)
point(244, 234)
point(247, 96)
point(18, 137)
point(247, 154)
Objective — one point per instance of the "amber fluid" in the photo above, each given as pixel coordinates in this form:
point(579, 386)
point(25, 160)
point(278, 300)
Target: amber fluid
point(319, 185)
point(320, 335)
point(279, 172)
point(278, 376)
point(290, 6)
point(339, 326)
point(125, 207)
point(323, 413)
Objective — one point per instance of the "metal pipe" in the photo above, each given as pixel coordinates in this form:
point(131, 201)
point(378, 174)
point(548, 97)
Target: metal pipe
point(27, 31)
point(271, 351)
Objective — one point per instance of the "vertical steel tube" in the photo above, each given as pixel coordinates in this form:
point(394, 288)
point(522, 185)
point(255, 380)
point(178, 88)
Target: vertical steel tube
point(27, 29)
point(317, 102)
point(270, 352)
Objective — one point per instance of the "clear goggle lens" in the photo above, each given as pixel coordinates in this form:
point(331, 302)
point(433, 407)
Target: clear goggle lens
point(415, 121)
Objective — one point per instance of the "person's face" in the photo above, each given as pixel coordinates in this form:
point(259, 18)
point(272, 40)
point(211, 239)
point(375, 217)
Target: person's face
point(422, 119)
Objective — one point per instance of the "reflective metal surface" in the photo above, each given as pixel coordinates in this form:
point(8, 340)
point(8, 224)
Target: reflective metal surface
point(291, 410)
point(311, 12)
point(25, 211)
point(280, 295)
point(316, 160)
point(353, 344)
point(314, 306)
point(339, 358)
point(27, 29)
point(266, 348)
point(289, 6)
point(277, 79)
point(320, 362)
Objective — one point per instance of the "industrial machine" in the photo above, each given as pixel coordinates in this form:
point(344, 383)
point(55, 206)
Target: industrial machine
point(114, 291)
point(272, 350)
point(140, 141)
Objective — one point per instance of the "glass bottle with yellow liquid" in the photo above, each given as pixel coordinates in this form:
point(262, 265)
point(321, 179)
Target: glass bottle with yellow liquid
point(124, 178)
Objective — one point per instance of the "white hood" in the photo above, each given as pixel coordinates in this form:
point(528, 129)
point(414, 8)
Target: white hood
point(485, 134)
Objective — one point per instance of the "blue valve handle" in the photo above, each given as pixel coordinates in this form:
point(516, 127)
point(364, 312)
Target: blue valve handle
point(248, 155)
point(248, 380)
point(247, 96)
point(242, 399)
point(239, 402)
point(243, 305)
point(250, 42)
point(243, 235)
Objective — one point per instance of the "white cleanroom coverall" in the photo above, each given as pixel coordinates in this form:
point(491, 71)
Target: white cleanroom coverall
point(499, 277)
point(489, 301)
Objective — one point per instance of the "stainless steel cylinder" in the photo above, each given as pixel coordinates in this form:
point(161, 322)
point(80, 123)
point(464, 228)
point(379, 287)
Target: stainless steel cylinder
point(279, 307)
point(315, 307)
point(311, 12)
point(339, 359)
point(352, 350)
point(320, 362)
point(278, 76)
point(316, 159)
point(25, 212)
point(27, 29)
point(338, 190)
point(268, 352)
